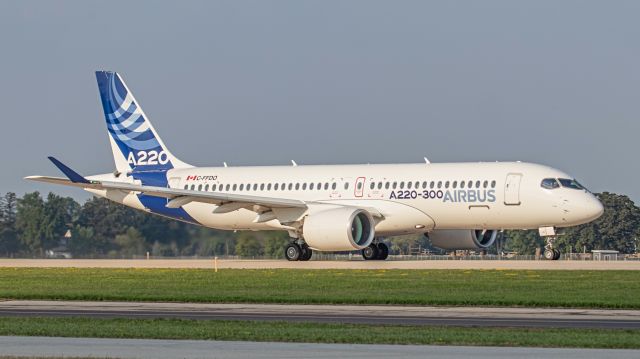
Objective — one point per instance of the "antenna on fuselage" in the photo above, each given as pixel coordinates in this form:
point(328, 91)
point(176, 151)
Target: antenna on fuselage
point(225, 164)
point(294, 163)
point(426, 160)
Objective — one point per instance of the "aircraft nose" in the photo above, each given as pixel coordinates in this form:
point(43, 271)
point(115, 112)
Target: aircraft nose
point(594, 208)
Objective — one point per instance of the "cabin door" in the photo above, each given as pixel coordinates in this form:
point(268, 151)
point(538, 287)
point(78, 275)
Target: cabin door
point(512, 189)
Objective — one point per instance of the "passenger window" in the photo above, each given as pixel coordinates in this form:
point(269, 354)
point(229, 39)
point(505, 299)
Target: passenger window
point(549, 183)
point(290, 186)
point(326, 186)
point(379, 185)
point(455, 184)
point(275, 187)
point(269, 187)
point(395, 185)
point(372, 185)
point(402, 185)
point(206, 188)
point(304, 186)
point(346, 185)
point(477, 184)
point(493, 184)
point(424, 184)
point(432, 184)
point(417, 184)
point(470, 184)
point(462, 183)
point(485, 184)
point(213, 187)
point(311, 185)
point(334, 186)
point(186, 186)
point(439, 184)
point(409, 185)
point(199, 187)
point(242, 186)
point(297, 186)
point(386, 185)
point(446, 184)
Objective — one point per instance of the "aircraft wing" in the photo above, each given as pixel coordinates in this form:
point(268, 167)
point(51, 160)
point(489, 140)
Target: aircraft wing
point(226, 202)
point(177, 197)
point(180, 197)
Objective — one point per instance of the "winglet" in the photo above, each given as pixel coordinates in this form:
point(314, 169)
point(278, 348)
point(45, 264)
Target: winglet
point(73, 175)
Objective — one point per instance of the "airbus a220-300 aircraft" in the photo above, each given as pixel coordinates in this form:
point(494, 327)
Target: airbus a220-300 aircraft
point(331, 208)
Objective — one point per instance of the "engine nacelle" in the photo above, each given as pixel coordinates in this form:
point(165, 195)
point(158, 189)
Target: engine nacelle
point(463, 238)
point(339, 229)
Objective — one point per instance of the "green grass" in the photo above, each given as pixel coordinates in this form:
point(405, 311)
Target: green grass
point(595, 289)
point(316, 332)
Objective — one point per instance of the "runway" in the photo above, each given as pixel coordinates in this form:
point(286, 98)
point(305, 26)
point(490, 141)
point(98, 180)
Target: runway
point(365, 314)
point(198, 349)
point(313, 264)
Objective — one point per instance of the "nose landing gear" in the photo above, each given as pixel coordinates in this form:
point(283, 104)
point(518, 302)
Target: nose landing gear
point(549, 235)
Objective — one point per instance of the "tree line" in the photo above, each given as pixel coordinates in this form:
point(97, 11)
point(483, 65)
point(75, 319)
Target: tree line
point(31, 225)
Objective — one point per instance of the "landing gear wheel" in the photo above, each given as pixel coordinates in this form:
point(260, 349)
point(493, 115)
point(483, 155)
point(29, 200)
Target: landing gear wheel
point(549, 255)
point(293, 252)
point(371, 252)
point(383, 251)
point(306, 253)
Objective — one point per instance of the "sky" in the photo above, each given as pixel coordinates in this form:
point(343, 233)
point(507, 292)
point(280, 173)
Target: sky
point(321, 82)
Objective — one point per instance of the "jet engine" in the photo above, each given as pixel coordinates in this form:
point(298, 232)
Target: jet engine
point(462, 238)
point(339, 229)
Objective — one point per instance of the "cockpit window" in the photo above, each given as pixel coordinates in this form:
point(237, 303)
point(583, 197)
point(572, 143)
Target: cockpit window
point(570, 183)
point(549, 183)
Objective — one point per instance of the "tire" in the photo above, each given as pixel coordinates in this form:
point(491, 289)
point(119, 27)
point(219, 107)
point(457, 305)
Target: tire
point(306, 253)
point(383, 251)
point(370, 253)
point(556, 254)
point(292, 252)
point(549, 255)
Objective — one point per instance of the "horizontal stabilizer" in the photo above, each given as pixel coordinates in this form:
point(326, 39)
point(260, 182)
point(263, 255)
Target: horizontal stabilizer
point(61, 181)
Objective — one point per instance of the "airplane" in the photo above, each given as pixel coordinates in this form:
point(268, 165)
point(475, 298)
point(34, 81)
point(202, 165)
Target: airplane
point(331, 207)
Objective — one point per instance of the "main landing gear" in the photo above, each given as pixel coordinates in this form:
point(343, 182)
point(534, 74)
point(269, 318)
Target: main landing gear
point(376, 251)
point(298, 252)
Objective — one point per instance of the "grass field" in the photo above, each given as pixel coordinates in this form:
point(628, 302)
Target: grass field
point(595, 289)
point(317, 332)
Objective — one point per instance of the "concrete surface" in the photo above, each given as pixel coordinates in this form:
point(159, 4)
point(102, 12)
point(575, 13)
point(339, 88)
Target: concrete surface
point(353, 264)
point(196, 349)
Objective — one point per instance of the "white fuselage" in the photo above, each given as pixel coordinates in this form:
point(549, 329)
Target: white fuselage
point(411, 198)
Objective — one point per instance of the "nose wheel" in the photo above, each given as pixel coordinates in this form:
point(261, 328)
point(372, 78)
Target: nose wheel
point(551, 253)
